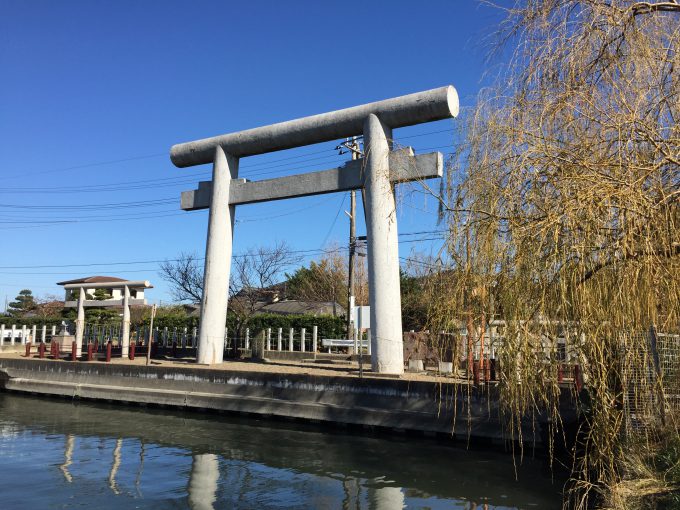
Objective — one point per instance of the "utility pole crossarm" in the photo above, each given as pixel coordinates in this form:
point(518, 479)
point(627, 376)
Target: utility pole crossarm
point(404, 166)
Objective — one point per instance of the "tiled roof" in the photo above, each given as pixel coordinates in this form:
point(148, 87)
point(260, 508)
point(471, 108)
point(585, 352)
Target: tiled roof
point(286, 307)
point(296, 307)
point(93, 279)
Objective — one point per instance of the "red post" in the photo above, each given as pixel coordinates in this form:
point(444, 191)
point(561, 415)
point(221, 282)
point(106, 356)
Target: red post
point(28, 349)
point(578, 379)
point(475, 371)
point(90, 352)
point(74, 351)
point(560, 373)
point(108, 351)
point(55, 352)
point(41, 350)
point(132, 351)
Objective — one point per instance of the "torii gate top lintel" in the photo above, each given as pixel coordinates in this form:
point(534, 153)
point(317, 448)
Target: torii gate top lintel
point(375, 173)
point(409, 110)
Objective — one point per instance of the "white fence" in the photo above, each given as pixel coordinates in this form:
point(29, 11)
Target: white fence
point(22, 334)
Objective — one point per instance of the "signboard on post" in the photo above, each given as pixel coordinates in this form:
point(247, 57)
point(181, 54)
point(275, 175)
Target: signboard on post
point(361, 317)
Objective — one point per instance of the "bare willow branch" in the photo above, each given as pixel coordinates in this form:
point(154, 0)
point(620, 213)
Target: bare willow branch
point(564, 219)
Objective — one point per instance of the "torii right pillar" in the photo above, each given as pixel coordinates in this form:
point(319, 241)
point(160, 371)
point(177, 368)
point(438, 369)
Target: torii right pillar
point(383, 251)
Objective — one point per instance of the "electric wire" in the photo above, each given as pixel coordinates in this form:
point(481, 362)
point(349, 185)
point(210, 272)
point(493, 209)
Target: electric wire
point(119, 263)
point(342, 203)
point(265, 165)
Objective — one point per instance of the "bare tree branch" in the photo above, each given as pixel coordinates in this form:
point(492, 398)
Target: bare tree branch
point(253, 275)
point(185, 276)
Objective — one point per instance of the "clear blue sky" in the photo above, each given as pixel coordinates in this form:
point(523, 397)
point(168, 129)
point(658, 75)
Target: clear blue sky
point(93, 94)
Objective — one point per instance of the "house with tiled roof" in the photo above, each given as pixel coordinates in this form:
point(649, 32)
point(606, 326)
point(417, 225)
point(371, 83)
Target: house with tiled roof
point(285, 307)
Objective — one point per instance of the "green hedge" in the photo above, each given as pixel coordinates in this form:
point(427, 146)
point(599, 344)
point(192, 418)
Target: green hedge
point(172, 321)
point(329, 326)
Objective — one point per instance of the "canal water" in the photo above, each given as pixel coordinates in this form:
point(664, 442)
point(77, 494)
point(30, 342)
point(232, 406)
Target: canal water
point(58, 454)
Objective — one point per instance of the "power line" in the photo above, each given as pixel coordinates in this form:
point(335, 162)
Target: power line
point(266, 164)
point(21, 219)
point(274, 216)
point(138, 203)
point(131, 216)
point(448, 130)
point(423, 263)
point(93, 264)
point(138, 218)
point(105, 188)
point(423, 240)
point(260, 166)
point(342, 203)
point(424, 232)
point(86, 165)
point(158, 183)
point(154, 269)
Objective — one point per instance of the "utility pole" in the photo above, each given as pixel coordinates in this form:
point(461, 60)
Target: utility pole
point(351, 145)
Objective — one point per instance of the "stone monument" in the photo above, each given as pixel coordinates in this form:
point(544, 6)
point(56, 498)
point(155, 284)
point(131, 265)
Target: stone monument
point(65, 340)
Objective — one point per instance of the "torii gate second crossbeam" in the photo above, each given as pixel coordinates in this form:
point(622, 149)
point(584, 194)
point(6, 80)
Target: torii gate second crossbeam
point(375, 174)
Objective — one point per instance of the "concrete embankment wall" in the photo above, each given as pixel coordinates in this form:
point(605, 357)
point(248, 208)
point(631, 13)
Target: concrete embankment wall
point(372, 402)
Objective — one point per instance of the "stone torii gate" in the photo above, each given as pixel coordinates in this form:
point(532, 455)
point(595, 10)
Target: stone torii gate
point(126, 300)
point(375, 174)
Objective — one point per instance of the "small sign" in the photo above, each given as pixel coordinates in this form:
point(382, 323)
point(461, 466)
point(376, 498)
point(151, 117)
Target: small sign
point(341, 342)
point(361, 316)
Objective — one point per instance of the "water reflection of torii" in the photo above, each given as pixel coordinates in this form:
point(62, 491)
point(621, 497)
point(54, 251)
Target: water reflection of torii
point(115, 465)
point(68, 457)
point(203, 480)
point(205, 474)
point(379, 498)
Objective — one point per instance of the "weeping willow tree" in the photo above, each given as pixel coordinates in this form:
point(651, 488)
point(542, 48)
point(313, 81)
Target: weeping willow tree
point(563, 210)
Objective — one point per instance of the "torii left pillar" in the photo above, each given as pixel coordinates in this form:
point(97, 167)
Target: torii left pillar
point(125, 333)
point(217, 261)
point(80, 320)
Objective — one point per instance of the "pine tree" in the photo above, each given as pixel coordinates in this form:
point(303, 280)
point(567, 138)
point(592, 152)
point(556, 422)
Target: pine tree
point(23, 304)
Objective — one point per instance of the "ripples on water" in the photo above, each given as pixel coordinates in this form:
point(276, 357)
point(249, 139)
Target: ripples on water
point(55, 454)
